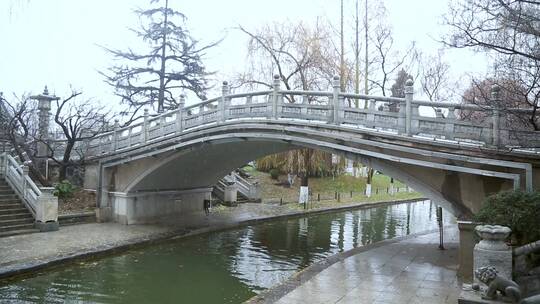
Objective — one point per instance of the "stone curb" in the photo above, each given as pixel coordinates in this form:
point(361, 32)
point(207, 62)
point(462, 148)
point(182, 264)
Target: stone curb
point(277, 292)
point(13, 271)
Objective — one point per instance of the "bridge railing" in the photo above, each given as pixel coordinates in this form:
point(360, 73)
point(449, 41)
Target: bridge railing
point(399, 115)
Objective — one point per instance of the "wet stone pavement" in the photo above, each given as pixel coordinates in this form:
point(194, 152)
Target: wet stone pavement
point(413, 270)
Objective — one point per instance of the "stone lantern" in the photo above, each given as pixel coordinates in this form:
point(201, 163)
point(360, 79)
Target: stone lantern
point(44, 112)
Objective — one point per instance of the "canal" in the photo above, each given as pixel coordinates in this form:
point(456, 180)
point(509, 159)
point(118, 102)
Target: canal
point(221, 267)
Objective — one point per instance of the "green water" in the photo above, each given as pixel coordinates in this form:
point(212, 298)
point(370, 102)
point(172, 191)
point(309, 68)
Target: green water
point(222, 267)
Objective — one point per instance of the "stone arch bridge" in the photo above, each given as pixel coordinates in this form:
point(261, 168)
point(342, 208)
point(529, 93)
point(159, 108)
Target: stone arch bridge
point(167, 164)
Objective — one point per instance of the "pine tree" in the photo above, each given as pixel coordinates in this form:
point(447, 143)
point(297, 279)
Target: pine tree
point(172, 63)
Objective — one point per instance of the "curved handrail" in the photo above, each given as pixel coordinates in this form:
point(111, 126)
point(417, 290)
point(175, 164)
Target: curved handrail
point(405, 119)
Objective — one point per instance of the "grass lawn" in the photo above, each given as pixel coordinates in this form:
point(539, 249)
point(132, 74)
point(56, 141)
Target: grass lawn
point(326, 187)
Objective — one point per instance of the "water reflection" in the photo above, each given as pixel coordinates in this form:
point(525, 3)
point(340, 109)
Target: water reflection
point(223, 267)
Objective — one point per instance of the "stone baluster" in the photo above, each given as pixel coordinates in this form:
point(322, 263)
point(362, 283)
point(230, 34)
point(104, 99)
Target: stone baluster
point(129, 139)
point(495, 100)
point(401, 127)
point(409, 91)
point(115, 135)
point(370, 117)
point(144, 131)
point(25, 171)
point(224, 107)
point(275, 97)
point(304, 110)
point(162, 120)
point(180, 114)
point(449, 124)
point(336, 86)
point(101, 148)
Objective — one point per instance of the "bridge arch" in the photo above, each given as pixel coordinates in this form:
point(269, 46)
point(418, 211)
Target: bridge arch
point(198, 160)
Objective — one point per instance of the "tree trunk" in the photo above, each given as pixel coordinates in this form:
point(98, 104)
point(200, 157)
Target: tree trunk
point(65, 160)
point(161, 97)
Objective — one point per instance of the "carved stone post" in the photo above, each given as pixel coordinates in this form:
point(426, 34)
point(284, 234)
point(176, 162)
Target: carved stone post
point(275, 97)
point(144, 131)
point(492, 250)
point(230, 194)
point(224, 107)
point(495, 100)
point(449, 124)
point(370, 117)
point(336, 86)
point(180, 114)
point(115, 135)
point(44, 112)
point(47, 210)
point(409, 91)
point(25, 170)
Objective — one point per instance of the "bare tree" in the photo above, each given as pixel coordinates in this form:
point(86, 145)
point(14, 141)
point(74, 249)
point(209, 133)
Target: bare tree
point(22, 133)
point(304, 58)
point(78, 121)
point(298, 54)
point(172, 64)
point(511, 97)
point(387, 59)
point(509, 27)
point(434, 78)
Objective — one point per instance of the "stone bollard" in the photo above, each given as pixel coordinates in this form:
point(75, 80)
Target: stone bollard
point(231, 194)
point(47, 211)
point(492, 250)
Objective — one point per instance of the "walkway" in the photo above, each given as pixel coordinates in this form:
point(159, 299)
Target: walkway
point(410, 271)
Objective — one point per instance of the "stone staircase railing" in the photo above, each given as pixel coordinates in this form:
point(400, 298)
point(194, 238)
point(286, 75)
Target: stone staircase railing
point(40, 201)
point(244, 186)
point(333, 107)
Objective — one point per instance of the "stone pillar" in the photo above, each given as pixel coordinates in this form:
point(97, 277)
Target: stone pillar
point(230, 194)
point(145, 126)
point(495, 100)
point(449, 125)
point(409, 91)
point(466, 247)
point(44, 112)
point(336, 86)
point(180, 114)
point(492, 250)
point(224, 107)
point(47, 210)
point(275, 97)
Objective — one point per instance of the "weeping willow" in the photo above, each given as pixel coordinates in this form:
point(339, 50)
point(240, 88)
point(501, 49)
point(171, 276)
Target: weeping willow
point(313, 163)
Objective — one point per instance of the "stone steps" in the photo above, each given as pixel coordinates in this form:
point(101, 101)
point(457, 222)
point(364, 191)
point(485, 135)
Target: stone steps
point(15, 218)
point(18, 232)
point(17, 228)
point(17, 209)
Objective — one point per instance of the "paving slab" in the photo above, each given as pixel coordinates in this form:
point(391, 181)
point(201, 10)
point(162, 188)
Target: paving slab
point(412, 270)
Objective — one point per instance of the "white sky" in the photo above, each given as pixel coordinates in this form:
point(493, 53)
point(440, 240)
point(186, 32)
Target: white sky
point(55, 42)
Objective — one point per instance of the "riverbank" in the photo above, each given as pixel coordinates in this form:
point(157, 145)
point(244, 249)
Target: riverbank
point(409, 269)
point(25, 254)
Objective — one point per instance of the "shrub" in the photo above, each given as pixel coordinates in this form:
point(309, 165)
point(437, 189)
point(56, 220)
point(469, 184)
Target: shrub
point(274, 173)
point(515, 209)
point(64, 189)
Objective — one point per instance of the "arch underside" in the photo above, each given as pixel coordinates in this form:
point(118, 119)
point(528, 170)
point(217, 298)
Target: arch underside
point(202, 164)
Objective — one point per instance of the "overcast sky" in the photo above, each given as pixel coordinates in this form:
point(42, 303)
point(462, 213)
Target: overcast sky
point(55, 42)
